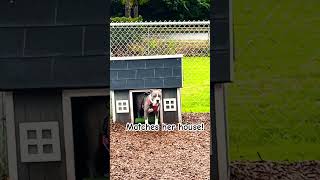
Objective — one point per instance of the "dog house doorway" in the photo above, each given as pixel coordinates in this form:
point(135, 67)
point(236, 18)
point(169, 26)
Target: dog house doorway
point(83, 114)
point(87, 117)
point(133, 95)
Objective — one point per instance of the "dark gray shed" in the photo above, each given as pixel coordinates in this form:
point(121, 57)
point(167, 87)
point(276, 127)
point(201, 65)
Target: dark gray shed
point(132, 75)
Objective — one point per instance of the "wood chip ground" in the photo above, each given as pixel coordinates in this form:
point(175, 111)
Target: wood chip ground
point(185, 155)
point(161, 155)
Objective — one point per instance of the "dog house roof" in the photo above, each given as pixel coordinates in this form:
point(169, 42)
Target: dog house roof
point(143, 72)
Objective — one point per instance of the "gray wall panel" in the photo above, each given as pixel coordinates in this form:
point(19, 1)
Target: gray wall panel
point(122, 95)
point(170, 117)
point(40, 106)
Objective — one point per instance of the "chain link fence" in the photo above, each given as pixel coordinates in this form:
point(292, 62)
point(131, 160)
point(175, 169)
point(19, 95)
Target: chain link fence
point(190, 38)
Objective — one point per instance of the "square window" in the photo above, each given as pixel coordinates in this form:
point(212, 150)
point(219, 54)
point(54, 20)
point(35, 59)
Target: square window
point(47, 148)
point(31, 134)
point(122, 106)
point(46, 134)
point(170, 104)
point(32, 149)
point(39, 141)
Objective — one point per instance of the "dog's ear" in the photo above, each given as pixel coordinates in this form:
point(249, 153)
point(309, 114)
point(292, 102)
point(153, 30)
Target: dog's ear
point(151, 90)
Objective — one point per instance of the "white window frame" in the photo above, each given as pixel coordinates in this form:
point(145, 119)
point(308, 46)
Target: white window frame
point(122, 106)
point(131, 103)
point(174, 104)
point(39, 141)
point(67, 123)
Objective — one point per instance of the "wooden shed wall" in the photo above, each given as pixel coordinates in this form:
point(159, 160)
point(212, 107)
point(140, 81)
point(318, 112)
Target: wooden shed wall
point(3, 142)
point(40, 106)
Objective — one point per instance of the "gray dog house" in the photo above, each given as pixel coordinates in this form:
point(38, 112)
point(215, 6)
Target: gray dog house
point(132, 75)
point(53, 77)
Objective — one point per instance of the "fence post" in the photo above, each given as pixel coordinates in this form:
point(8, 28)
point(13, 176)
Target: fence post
point(148, 45)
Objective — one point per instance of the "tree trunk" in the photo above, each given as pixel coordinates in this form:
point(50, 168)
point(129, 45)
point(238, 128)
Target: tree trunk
point(136, 9)
point(127, 9)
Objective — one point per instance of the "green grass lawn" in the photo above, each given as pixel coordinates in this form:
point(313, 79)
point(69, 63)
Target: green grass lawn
point(195, 93)
point(274, 101)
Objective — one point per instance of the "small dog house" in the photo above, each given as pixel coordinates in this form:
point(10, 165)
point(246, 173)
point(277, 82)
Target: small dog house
point(133, 75)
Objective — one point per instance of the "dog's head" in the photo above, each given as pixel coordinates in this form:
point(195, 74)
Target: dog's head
point(155, 96)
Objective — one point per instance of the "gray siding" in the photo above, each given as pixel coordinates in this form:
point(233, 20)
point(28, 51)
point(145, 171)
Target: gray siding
point(122, 117)
point(2, 113)
point(144, 74)
point(3, 145)
point(38, 106)
point(170, 117)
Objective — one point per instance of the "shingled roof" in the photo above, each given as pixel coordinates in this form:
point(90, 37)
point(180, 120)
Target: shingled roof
point(146, 72)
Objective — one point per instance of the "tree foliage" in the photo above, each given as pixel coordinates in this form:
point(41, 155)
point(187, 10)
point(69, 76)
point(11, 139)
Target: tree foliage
point(167, 9)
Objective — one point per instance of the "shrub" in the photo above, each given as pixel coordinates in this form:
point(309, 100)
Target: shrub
point(126, 19)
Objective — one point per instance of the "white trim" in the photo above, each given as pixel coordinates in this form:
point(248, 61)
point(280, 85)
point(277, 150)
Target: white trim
point(113, 106)
point(182, 77)
point(160, 23)
point(122, 106)
point(68, 136)
point(179, 104)
point(11, 136)
point(146, 57)
point(221, 131)
point(161, 112)
point(131, 106)
point(174, 104)
point(67, 123)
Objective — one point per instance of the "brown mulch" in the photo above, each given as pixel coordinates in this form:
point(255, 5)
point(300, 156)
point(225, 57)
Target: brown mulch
point(186, 155)
point(161, 155)
point(265, 170)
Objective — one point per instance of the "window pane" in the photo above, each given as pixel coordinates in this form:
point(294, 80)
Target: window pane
point(46, 134)
point(32, 149)
point(47, 148)
point(32, 134)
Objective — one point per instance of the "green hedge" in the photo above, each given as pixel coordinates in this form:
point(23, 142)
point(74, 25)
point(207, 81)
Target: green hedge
point(126, 19)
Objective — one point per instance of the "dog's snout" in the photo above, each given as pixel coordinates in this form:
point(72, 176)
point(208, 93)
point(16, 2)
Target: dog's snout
point(158, 100)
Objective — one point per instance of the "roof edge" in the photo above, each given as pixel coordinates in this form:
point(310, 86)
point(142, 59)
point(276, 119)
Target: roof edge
point(146, 57)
